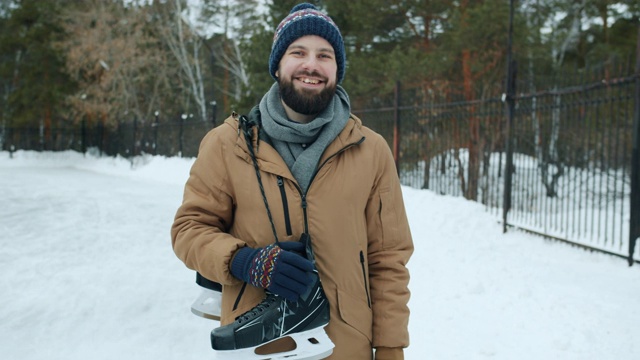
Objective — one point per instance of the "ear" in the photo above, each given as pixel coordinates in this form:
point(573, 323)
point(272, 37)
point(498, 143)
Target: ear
point(278, 73)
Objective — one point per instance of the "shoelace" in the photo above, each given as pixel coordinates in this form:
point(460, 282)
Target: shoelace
point(260, 308)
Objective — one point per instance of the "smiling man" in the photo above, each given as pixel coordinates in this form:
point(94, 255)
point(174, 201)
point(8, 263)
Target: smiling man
point(296, 209)
point(307, 77)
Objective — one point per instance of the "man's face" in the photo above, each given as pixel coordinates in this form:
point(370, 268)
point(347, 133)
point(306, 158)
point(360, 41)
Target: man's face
point(307, 75)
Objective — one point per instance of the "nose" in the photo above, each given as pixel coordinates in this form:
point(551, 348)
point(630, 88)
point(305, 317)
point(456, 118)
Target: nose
point(310, 62)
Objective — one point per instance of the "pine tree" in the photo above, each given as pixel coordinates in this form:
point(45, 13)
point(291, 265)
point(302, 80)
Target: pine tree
point(32, 70)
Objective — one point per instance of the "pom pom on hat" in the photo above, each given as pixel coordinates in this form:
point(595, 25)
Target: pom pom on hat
point(305, 19)
point(302, 6)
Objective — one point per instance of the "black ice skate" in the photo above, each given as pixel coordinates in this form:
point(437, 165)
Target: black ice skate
point(278, 329)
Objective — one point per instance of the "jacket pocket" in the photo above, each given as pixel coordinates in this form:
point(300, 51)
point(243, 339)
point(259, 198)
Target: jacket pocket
point(355, 313)
point(285, 205)
point(364, 277)
point(388, 220)
point(235, 303)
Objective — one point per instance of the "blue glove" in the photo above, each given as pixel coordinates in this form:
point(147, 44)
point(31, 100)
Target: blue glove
point(279, 269)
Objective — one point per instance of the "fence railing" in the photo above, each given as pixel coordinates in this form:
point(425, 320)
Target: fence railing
point(180, 137)
point(574, 151)
point(572, 158)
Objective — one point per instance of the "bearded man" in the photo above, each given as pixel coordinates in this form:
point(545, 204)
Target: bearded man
point(300, 197)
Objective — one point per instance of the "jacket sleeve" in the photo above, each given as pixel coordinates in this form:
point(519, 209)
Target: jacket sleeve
point(199, 232)
point(389, 248)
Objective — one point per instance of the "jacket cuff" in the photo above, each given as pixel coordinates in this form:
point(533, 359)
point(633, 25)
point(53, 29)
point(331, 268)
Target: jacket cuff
point(240, 263)
point(385, 353)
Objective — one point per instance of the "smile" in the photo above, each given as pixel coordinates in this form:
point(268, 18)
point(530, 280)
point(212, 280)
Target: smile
point(309, 81)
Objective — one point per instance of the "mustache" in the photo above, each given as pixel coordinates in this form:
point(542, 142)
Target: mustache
point(313, 73)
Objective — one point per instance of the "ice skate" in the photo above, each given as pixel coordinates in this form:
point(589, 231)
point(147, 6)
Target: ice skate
point(207, 305)
point(278, 329)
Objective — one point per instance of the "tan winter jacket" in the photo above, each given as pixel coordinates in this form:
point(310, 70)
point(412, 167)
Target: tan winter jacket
point(356, 220)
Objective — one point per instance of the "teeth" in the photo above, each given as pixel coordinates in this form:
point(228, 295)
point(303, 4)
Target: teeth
point(309, 81)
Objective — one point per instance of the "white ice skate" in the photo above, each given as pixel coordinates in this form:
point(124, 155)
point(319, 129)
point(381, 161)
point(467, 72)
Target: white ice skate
point(207, 305)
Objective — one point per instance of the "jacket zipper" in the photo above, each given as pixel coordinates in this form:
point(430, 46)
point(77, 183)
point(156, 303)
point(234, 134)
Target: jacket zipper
point(334, 155)
point(285, 205)
point(304, 196)
point(235, 304)
point(303, 199)
point(364, 276)
point(304, 210)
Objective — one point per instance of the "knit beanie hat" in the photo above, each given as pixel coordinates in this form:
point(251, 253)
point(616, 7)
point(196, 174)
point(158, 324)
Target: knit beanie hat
point(305, 19)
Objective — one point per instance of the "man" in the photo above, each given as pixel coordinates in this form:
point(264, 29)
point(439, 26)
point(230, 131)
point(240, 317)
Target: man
point(307, 167)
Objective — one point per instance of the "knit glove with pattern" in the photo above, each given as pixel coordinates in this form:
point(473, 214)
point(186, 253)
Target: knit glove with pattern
point(277, 268)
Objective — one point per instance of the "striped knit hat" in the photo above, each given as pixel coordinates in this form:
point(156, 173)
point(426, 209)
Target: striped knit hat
point(306, 19)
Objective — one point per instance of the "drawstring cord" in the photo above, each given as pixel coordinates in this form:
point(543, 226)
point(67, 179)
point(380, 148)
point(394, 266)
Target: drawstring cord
point(248, 128)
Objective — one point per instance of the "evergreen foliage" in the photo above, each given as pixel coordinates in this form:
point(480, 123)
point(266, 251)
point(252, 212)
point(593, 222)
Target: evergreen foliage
point(442, 49)
point(34, 84)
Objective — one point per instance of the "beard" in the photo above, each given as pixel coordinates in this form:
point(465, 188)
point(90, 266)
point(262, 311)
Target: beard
point(303, 101)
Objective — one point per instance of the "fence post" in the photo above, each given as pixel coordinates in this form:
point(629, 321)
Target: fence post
point(134, 145)
point(396, 126)
point(101, 138)
point(214, 109)
point(120, 139)
point(183, 118)
point(509, 98)
point(83, 137)
point(634, 218)
point(155, 125)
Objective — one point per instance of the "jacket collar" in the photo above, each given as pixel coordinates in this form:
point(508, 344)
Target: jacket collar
point(270, 161)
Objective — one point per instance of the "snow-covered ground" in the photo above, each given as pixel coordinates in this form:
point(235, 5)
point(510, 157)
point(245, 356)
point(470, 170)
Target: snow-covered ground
point(87, 272)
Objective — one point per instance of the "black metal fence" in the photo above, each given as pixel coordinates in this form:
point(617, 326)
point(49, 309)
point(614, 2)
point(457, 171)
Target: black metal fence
point(572, 152)
point(173, 137)
point(573, 148)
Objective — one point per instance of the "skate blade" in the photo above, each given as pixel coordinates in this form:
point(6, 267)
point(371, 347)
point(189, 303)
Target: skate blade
point(309, 345)
point(207, 305)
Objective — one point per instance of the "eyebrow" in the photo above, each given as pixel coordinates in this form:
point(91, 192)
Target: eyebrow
point(324, 49)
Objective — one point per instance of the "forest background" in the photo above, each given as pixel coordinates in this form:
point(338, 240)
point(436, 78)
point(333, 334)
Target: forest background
point(119, 61)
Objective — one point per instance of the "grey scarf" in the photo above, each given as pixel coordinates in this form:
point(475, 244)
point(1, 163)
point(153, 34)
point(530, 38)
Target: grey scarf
point(302, 145)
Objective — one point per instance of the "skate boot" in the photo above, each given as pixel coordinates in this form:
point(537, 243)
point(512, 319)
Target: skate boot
point(278, 329)
point(207, 305)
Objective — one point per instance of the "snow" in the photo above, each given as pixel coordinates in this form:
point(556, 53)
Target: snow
point(88, 273)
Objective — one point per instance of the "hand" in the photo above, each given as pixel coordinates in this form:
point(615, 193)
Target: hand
point(278, 268)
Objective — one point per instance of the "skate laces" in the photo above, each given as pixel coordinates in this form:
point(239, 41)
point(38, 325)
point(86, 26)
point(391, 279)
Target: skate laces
point(258, 309)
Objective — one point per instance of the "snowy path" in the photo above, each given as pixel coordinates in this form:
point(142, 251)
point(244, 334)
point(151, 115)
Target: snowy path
point(88, 273)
